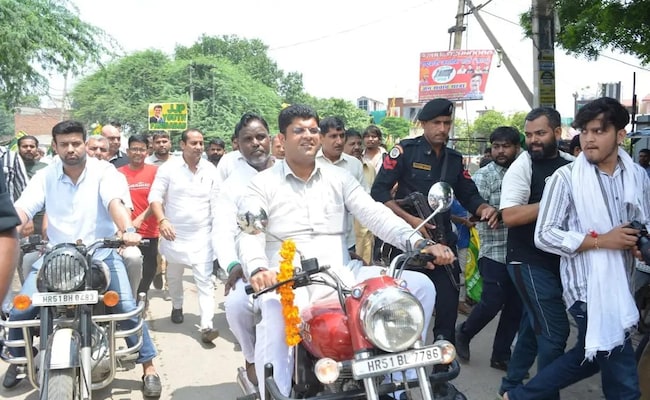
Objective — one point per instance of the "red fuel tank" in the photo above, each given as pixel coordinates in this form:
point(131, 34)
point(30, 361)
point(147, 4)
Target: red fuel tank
point(325, 331)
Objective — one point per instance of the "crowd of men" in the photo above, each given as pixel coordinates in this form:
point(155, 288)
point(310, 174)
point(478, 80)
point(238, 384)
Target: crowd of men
point(553, 229)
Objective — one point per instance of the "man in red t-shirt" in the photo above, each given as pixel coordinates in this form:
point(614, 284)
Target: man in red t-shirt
point(140, 177)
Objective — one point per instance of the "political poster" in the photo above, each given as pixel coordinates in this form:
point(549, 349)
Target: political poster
point(167, 116)
point(456, 75)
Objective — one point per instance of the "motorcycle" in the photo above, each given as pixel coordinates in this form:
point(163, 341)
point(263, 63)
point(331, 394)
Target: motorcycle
point(349, 345)
point(77, 351)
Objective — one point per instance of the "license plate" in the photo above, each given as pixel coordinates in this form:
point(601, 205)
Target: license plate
point(396, 362)
point(65, 299)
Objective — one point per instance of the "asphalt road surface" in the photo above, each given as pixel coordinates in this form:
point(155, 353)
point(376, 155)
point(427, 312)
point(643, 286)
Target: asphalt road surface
point(191, 370)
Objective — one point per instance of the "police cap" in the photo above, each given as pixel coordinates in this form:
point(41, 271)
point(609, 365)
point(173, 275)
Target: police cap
point(436, 108)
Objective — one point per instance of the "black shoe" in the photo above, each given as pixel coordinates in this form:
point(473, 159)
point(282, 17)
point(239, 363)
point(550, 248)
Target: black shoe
point(177, 315)
point(502, 365)
point(11, 376)
point(151, 386)
point(462, 344)
point(158, 281)
point(208, 335)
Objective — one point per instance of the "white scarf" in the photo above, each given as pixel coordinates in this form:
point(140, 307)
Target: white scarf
point(611, 311)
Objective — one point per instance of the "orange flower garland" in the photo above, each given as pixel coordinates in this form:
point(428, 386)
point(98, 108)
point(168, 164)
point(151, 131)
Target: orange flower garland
point(289, 310)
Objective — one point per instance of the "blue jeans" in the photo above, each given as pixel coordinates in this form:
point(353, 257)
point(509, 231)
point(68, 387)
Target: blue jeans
point(544, 326)
point(499, 294)
point(119, 283)
point(619, 376)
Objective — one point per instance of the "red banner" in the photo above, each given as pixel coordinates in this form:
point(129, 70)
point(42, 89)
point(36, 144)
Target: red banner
point(455, 75)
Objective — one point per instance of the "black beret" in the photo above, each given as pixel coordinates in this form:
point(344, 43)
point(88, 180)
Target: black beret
point(436, 108)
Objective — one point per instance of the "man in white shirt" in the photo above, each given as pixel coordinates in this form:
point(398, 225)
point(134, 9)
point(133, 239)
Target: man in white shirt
point(254, 144)
point(332, 139)
point(84, 198)
point(180, 198)
point(307, 203)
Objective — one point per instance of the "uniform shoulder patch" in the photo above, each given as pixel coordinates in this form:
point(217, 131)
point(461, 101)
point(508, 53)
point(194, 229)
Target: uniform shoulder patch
point(396, 151)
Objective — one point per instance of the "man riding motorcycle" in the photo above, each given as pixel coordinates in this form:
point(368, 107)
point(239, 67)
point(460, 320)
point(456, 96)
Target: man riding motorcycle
point(84, 198)
point(308, 204)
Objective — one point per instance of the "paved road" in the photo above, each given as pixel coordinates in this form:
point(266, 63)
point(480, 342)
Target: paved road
point(191, 370)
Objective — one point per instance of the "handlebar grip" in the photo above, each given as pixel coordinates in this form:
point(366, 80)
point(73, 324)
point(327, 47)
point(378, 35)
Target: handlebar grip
point(249, 289)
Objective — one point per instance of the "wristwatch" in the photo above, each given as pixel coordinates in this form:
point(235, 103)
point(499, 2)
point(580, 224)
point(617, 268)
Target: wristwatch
point(130, 229)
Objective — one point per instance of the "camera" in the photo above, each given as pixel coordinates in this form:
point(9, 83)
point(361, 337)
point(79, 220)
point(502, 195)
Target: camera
point(643, 242)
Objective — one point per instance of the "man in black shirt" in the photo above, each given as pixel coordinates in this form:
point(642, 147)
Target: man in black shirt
point(415, 165)
point(544, 325)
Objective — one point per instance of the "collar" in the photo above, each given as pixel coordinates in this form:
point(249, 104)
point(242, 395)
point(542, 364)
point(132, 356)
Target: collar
point(287, 171)
point(322, 156)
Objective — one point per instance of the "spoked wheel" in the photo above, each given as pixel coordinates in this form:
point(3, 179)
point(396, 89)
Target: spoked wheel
point(62, 384)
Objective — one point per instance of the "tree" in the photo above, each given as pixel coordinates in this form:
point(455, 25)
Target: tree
point(396, 127)
point(248, 54)
point(518, 120)
point(40, 36)
point(589, 26)
point(352, 116)
point(222, 92)
point(465, 142)
point(488, 122)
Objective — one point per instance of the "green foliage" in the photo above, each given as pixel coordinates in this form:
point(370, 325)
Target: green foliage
point(518, 120)
point(43, 35)
point(395, 127)
point(465, 142)
point(589, 26)
point(352, 116)
point(487, 122)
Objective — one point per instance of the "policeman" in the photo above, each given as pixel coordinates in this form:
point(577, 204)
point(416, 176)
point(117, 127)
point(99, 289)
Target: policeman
point(415, 165)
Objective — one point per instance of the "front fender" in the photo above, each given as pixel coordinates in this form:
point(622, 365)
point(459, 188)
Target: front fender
point(63, 346)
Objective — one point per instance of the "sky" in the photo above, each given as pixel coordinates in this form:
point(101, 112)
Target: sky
point(353, 48)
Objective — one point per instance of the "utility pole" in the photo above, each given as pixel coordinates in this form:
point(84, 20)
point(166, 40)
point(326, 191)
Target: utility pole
point(543, 24)
point(459, 28)
point(519, 81)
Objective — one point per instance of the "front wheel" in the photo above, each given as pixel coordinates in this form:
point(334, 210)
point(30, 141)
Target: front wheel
point(61, 384)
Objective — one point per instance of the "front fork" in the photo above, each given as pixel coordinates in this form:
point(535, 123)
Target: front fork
point(66, 348)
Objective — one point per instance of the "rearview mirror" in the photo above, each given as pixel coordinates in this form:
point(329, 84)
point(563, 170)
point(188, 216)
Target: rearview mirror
point(253, 223)
point(440, 197)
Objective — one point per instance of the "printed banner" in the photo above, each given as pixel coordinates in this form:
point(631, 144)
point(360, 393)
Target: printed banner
point(167, 116)
point(456, 75)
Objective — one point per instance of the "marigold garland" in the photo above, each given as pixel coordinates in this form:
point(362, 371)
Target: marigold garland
point(289, 310)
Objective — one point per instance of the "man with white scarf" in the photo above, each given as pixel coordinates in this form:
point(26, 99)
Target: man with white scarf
point(584, 216)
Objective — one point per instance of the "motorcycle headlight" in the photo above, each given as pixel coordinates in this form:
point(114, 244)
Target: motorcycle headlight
point(64, 270)
point(393, 319)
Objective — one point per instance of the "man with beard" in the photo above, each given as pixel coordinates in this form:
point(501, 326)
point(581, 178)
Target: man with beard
point(140, 177)
point(254, 145)
point(181, 199)
point(544, 325)
point(332, 139)
point(499, 294)
point(85, 199)
point(584, 217)
point(28, 151)
point(162, 146)
point(216, 150)
point(415, 165)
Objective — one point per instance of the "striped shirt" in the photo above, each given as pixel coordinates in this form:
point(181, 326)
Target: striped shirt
point(559, 231)
point(493, 241)
point(15, 173)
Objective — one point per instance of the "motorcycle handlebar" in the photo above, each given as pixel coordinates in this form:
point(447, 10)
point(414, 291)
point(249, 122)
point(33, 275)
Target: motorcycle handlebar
point(299, 279)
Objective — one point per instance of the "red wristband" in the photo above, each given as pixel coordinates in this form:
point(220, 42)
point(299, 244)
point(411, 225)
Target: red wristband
point(593, 234)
